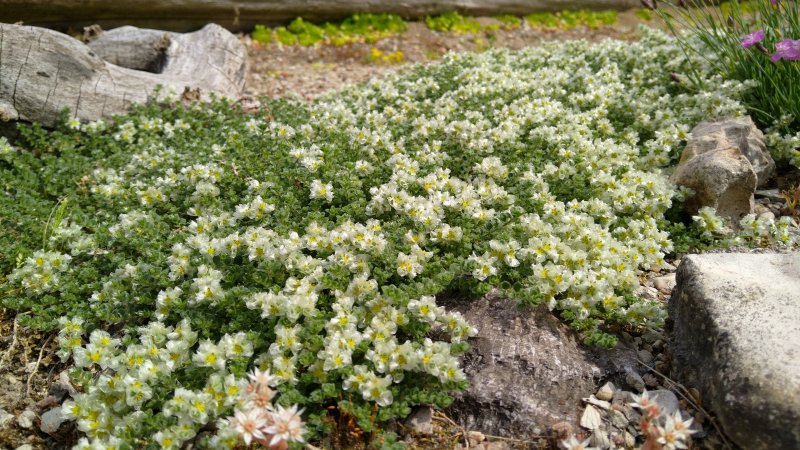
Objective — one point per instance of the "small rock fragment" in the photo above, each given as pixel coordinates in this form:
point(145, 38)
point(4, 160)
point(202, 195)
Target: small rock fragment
point(25, 447)
point(5, 418)
point(421, 420)
point(26, 418)
point(665, 283)
point(591, 418)
point(650, 380)
point(606, 392)
point(475, 438)
point(666, 400)
point(599, 439)
point(592, 400)
point(645, 357)
point(630, 441)
point(52, 420)
point(618, 419)
point(635, 381)
point(646, 292)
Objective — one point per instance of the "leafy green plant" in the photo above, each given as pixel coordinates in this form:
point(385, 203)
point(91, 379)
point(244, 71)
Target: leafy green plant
point(755, 41)
point(509, 22)
point(569, 19)
point(261, 34)
point(203, 246)
point(452, 22)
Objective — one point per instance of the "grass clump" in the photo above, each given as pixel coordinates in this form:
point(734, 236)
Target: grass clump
point(568, 19)
point(356, 28)
point(453, 22)
point(200, 244)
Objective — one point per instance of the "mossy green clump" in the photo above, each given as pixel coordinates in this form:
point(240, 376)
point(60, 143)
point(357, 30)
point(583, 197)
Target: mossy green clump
point(453, 22)
point(356, 28)
point(568, 19)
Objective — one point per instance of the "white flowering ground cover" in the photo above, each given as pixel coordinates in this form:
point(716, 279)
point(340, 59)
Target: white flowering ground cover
point(193, 245)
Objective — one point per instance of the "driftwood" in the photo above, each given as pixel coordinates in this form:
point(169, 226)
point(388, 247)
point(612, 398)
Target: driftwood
point(237, 15)
point(43, 71)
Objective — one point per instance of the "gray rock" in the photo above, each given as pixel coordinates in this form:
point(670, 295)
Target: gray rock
point(666, 400)
point(645, 356)
point(635, 381)
point(5, 418)
point(722, 179)
point(618, 419)
point(735, 321)
point(420, 420)
point(526, 369)
point(52, 420)
point(646, 292)
point(740, 133)
point(606, 392)
point(25, 419)
point(665, 283)
point(630, 441)
point(599, 439)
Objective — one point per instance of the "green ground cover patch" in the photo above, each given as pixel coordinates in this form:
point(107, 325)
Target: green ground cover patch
point(193, 244)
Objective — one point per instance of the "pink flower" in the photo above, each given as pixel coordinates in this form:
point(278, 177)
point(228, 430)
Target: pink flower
point(250, 425)
point(787, 49)
point(287, 425)
point(753, 38)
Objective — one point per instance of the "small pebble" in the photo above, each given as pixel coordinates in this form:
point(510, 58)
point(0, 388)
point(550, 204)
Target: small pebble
point(475, 438)
point(645, 356)
point(606, 391)
point(599, 439)
point(25, 447)
point(646, 292)
point(630, 441)
point(5, 418)
point(26, 418)
point(602, 404)
point(635, 381)
point(666, 283)
point(52, 420)
point(666, 399)
point(421, 420)
point(618, 419)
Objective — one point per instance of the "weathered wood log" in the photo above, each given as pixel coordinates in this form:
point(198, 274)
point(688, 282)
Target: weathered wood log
point(43, 71)
point(237, 15)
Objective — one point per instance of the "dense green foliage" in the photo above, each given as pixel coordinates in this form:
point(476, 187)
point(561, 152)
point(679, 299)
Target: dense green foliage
point(314, 240)
point(356, 28)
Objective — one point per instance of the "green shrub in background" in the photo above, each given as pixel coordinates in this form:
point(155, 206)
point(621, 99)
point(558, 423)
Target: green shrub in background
point(199, 243)
point(759, 41)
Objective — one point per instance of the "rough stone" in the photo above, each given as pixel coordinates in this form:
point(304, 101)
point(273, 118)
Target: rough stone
point(735, 322)
point(25, 419)
point(591, 418)
point(666, 400)
point(420, 421)
point(634, 380)
point(606, 392)
point(602, 404)
point(526, 369)
point(52, 420)
point(5, 418)
point(599, 439)
point(618, 419)
point(646, 292)
point(645, 356)
point(665, 283)
point(722, 179)
point(739, 132)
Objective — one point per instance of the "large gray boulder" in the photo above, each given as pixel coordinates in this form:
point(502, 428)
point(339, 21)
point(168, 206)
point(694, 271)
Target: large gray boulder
point(527, 371)
point(735, 323)
point(723, 163)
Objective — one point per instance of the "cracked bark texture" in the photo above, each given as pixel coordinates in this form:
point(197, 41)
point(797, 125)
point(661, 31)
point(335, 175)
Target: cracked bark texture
point(43, 71)
point(238, 15)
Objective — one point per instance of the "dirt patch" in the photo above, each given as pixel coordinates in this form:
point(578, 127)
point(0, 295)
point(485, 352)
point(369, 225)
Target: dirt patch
point(306, 72)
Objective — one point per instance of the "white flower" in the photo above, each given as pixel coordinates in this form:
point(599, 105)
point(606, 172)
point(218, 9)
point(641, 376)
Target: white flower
point(321, 191)
point(250, 424)
point(287, 425)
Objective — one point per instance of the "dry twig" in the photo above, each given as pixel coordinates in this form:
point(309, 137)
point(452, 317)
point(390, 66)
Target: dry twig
point(36, 367)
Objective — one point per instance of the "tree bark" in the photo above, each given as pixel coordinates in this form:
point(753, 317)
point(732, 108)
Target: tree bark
point(237, 15)
point(43, 71)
